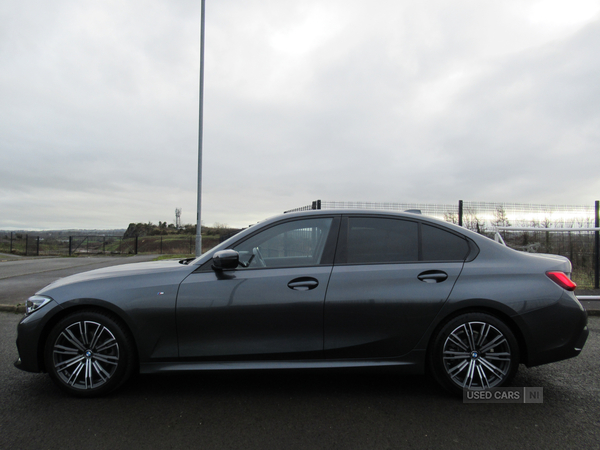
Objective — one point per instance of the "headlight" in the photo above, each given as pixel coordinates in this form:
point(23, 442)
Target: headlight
point(36, 302)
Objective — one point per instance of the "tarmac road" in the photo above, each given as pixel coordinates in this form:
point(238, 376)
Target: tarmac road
point(22, 277)
point(340, 409)
point(327, 409)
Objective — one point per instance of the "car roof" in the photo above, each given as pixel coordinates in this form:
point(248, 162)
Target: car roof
point(360, 212)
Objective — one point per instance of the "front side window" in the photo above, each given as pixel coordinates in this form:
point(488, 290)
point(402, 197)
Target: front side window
point(290, 244)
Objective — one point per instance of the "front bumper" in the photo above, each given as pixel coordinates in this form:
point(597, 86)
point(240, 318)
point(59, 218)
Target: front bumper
point(30, 334)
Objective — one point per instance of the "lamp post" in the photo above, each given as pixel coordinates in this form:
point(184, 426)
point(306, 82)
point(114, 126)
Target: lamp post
point(200, 120)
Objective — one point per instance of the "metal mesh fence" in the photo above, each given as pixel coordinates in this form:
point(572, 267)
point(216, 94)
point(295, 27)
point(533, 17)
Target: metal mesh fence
point(487, 214)
point(532, 215)
point(576, 245)
point(175, 244)
point(481, 217)
point(28, 245)
point(96, 245)
point(486, 217)
point(438, 211)
point(20, 244)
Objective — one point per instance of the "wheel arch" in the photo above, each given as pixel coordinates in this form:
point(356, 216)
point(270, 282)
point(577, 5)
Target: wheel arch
point(84, 305)
point(485, 309)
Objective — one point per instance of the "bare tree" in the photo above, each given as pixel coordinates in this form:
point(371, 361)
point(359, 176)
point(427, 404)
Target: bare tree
point(473, 222)
point(500, 217)
point(451, 217)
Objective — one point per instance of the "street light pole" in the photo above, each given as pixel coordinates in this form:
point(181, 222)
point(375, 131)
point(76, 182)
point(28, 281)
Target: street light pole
point(200, 129)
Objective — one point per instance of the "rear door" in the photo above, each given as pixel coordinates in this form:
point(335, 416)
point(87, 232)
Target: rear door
point(390, 278)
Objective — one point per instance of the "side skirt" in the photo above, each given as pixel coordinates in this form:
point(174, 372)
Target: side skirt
point(414, 366)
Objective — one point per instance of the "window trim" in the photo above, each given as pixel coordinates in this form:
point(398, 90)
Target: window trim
point(341, 256)
point(329, 248)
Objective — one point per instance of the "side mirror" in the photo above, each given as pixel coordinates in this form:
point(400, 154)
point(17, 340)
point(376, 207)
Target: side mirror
point(225, 259)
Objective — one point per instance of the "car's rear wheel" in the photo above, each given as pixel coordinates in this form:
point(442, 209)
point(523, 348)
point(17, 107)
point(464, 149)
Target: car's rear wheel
point(89, 353)
point(474, 351)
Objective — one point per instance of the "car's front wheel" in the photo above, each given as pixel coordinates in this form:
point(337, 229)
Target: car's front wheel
point(474, 351)
point(89, 353)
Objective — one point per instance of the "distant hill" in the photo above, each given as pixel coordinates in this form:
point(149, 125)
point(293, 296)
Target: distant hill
point(162, 229)
point(134, 229)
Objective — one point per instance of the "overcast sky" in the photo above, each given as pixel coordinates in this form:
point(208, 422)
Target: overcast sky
point(426, 101)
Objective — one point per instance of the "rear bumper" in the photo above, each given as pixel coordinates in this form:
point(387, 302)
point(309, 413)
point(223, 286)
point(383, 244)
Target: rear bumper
point(556, 332)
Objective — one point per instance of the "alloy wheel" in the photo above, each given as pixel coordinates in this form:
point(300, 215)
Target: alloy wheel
point(476, 355)
point(85, 355)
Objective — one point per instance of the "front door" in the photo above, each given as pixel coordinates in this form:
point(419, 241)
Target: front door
point(270, 307)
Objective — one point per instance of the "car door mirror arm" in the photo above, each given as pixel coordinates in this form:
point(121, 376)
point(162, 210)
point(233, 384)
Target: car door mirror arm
point(246, 264)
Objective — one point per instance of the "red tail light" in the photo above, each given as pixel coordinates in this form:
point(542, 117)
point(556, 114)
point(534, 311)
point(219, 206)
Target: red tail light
point(562, 280)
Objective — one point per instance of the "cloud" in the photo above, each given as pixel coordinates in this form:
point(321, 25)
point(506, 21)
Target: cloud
point(530, 122)
point(340, 100)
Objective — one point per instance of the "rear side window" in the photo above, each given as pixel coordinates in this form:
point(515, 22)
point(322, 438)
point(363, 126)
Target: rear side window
point(440, 245)
point(373, 240)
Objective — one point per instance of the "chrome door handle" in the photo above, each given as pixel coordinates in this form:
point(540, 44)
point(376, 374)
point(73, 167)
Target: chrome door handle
point(433, 276)
point(303, 284)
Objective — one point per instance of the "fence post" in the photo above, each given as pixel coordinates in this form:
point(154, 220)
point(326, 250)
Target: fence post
point(26, 243)
point(11, 233)
point(597, 245)
point(460, 213)
point(161, 244)
point(570, 236)
point(70, 245)
point(135, 249)
point(37, 250)
point(191, 246)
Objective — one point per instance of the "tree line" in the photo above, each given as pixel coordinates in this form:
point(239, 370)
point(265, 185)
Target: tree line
point(164, 229)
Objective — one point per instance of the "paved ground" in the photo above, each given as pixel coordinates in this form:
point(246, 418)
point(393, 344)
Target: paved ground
point(341, 409)
point(21, 277)
point(298, 410)
point(593, 306)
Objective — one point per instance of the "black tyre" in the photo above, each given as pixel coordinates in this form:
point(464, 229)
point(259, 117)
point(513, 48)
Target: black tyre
point(89, 353)
point(474, 351)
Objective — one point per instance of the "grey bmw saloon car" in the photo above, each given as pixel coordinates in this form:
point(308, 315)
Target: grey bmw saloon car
point(310, 290)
